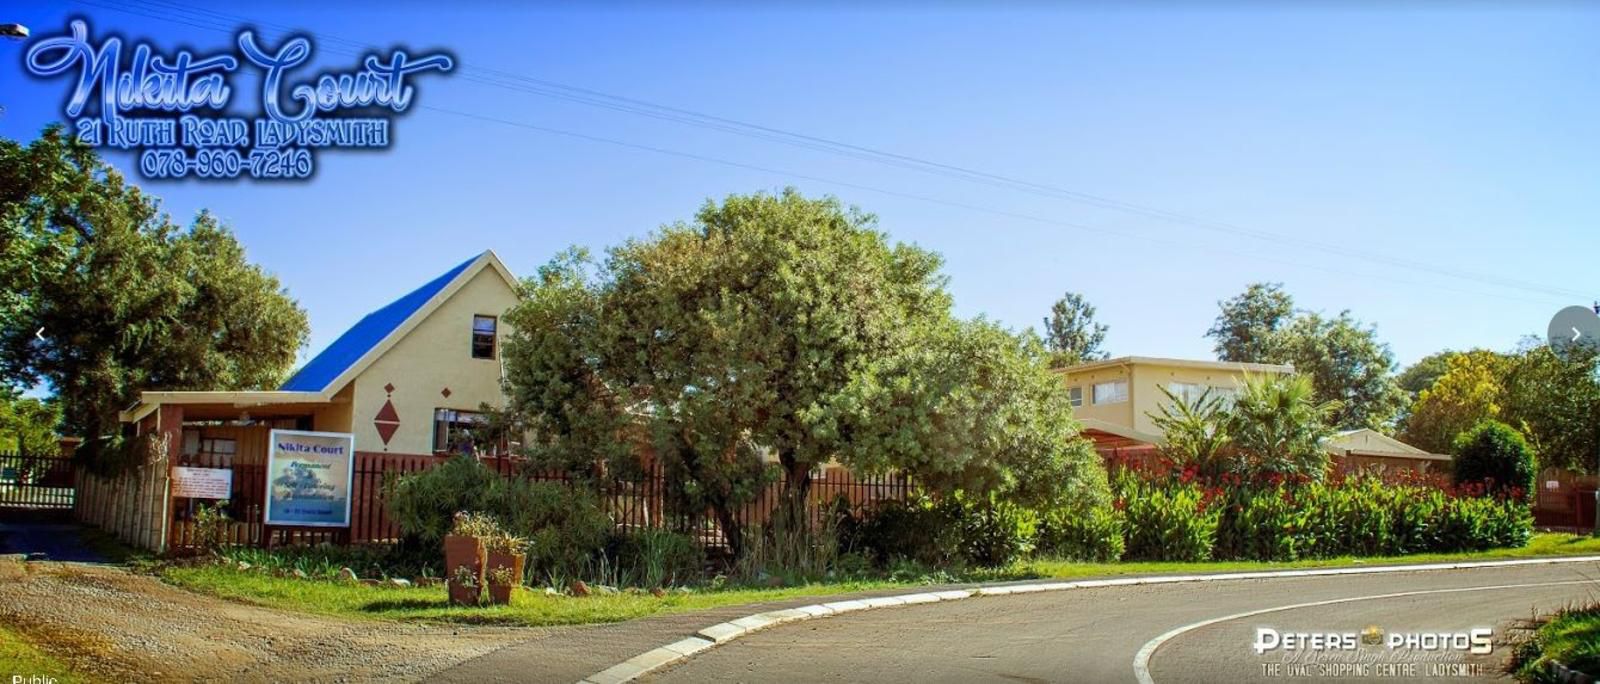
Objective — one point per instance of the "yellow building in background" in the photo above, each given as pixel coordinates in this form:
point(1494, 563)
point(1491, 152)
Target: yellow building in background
point(1115, 398)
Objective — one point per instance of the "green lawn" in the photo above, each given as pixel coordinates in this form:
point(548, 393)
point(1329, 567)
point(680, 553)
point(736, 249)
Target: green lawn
point(537, 609)
point(18, 657)
point(1572, 639)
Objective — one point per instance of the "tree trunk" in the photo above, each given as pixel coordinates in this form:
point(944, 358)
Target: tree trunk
point(796, 490)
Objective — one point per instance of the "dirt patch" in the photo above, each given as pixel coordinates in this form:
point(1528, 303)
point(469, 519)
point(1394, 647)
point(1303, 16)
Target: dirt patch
point(113, 624)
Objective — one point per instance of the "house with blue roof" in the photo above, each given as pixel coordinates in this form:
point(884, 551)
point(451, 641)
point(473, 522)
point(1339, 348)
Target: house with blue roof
point(407, 379)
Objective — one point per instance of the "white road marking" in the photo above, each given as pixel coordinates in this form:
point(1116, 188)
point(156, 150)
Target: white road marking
point(1141, 661)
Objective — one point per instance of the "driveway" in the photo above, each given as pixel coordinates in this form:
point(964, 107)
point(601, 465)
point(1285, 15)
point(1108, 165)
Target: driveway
point(1095, 635)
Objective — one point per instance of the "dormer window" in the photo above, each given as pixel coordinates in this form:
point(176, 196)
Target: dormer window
point(483, 337)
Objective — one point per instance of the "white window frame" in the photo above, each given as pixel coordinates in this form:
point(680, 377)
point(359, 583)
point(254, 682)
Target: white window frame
point(1075, 395)
point(1117, 388)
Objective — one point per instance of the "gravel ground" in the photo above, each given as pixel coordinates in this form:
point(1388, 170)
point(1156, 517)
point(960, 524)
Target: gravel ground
point(115, 625)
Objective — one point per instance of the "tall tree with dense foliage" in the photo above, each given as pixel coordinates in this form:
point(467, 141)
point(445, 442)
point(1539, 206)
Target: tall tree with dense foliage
point(971, 407)
point(1247, 330)
point(1422, 374)
point(763, 328)
point(1555, 402)
point(1468, 392)
point(128, 300)
point(28, 425)
point(1344, 359)
point(1071, 333)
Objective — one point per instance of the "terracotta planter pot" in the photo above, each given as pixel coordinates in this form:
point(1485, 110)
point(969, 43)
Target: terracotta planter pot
point(463, 595)
point(463, 552)
point(501, 593)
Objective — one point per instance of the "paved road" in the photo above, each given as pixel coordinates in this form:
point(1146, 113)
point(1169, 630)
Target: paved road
point(58, 541)
point(1094, 635)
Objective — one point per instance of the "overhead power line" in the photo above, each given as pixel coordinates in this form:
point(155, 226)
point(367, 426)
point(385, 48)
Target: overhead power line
point(228, 23)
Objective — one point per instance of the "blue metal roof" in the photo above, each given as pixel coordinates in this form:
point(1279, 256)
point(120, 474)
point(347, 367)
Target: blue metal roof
point(366, 334)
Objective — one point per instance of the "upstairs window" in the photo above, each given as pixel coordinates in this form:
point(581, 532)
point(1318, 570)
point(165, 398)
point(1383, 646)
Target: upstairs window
point(1187, 392)
point(483, 337)
point(1114, 392)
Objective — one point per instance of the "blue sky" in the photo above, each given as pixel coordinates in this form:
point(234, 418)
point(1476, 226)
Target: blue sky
point(1459, 137)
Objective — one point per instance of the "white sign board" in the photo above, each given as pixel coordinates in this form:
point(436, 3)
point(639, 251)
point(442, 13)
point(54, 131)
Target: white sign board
point(1552, 484)
point(202, 483)
point(309, 477)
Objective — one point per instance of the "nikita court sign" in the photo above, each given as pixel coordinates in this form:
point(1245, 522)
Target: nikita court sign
point(308, 478)
point(179, 109)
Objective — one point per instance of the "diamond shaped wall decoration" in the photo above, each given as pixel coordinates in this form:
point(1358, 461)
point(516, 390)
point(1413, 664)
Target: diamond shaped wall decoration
point(445, 392)
point(387, 421)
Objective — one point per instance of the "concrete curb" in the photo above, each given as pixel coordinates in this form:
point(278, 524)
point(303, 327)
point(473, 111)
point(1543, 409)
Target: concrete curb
point(723, 632)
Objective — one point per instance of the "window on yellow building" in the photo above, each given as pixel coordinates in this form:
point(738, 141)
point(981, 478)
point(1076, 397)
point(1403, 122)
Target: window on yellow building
point(1076, 396)
point(483, 337)
point(1114, 392)
point(452, 430)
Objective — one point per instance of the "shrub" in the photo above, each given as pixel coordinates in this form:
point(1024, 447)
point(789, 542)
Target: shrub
point(1168, 522)
point(952, 532)
point(1496, 455)
point(1259, 523)
point(916, 531)
point(1093, 535)
point(657, 558)
point(564, 527)
point(1277, 426)
point(995, 534)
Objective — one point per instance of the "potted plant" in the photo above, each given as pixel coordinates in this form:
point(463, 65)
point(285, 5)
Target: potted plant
point(464, 550)
point(506, 560)
point(466, 585)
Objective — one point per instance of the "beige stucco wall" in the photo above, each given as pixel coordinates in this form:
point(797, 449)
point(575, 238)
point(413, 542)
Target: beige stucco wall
point(1148, 379)
point(435, 355)
point(335, 416)
point(1116, 414)
point(1144, 394)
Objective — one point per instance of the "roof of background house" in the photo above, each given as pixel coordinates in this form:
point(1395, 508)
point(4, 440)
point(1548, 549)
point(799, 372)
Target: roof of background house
point(1181, 363)
point(368, 333)
point(1369, 441)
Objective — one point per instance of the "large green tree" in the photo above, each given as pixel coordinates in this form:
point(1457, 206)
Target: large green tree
point(1555, 402)
point(761, 330)
point(1344, 359)
point(28, 424)
point(1470, 391)
point(1248, 327)
point(1071, 333)
point(127, 299)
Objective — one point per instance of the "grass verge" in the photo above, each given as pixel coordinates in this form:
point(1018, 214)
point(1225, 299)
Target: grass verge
point(1571, 637)
point(533, 608)
point(19, 658)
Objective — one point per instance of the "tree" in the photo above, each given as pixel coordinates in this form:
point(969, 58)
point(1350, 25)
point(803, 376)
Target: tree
point(1468, 392)
point(972, 408)
point(1278, 424)
point(1196, 432)
point(1495, 454)
point(1071, 333)
point(1422, 374)
point(127, 299)
point(1555, 402)
point(1247, 328)
point(1344, 359)
point(778, 328)
point(28, 425)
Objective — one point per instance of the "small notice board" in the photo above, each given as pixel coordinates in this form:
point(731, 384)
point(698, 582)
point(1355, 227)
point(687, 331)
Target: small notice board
point(202, 483)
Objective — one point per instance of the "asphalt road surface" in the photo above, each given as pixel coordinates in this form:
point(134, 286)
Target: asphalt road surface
point(1194, 632)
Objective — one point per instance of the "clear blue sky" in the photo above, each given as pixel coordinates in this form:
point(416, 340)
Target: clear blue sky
point(1457, 135)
